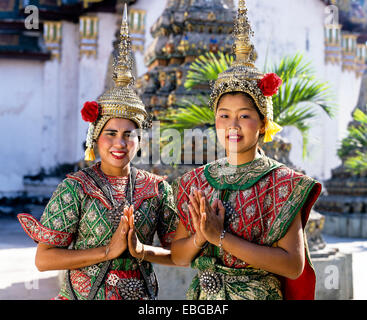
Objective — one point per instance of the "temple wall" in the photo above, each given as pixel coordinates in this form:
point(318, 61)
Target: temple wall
point(67, 120)
point(41, 102)
point(153, 10)
point(300, 28)
point(20, 117)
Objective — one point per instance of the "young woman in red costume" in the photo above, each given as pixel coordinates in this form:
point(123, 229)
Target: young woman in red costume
point(242, 218)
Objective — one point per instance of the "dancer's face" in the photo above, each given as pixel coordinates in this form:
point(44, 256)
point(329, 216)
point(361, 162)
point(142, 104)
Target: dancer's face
point(238, 124)
point(117, 146)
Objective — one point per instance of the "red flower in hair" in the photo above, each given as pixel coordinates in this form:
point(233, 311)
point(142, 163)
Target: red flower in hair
point(90, 111)
point(270, 84)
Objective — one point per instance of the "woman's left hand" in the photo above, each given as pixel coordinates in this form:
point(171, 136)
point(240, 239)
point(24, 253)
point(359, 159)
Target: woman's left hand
point(136, 248)
point(211, 218)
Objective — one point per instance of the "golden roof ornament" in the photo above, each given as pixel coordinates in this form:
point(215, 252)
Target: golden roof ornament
point(243, 76)
point(120, 101)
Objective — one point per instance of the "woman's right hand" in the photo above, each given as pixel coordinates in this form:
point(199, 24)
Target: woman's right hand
point(194, 208)
point(118, 243)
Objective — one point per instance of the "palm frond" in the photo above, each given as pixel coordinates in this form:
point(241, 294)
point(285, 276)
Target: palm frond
point(206, 68)
point(360, 116)
point(297, 91)
point(191, 115)
point(354, 147)
point(300, 89)
point(357, 164)
point(292, 67)
point(299, 118)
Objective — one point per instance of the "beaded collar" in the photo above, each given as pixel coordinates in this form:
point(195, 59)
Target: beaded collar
point(221, 175)
point(118, 183)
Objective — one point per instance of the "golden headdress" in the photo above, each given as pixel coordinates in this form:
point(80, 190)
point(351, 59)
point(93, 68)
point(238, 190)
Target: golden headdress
point(243, 76)
point(121, 101)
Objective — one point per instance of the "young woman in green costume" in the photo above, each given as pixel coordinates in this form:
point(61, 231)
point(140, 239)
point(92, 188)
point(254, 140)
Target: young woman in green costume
point(242, 218)
point(100, 222)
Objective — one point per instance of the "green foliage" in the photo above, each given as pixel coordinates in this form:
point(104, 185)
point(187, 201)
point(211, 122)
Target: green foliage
point(300, 96)
point(354, 147)
point(206, 68)
point(358, 164)
point(190, 115)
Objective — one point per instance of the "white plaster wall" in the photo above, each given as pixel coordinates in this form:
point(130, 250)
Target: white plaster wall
point(348, 93)
point(154, 9)
point(284, 27)
point(346, 87)
point(49, 109)
point(20, 119)
point(60, 92)
point(68, 95)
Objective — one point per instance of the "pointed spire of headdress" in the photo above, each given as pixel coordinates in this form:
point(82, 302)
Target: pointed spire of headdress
point(120, 101)
point(123, 63)
point(243, 48)
point(243, 76)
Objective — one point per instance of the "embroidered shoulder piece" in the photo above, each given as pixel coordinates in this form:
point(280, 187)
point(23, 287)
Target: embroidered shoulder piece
point(182, 187)
point(146, 186)
point(40, 233)
point(221, 175)
point(302, 190)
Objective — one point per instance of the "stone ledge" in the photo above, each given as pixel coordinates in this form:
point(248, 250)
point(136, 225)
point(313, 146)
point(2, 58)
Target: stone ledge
point(352, 225)
point(334, 277)
point(173, 281)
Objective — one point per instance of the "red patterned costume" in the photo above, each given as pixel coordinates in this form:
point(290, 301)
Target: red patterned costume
point(262, 198)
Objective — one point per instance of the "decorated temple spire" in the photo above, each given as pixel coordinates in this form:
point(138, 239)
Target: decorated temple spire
point(184, 31)
point(243, 48)
point(123, 64)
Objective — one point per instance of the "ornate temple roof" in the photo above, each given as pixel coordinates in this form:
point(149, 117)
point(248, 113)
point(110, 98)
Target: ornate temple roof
point(190, 28)
point(352, 14)
point(17, 41)
point(185, 30)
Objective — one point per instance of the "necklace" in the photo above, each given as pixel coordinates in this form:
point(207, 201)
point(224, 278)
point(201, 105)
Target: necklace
point(119, 186)
point(102, 181)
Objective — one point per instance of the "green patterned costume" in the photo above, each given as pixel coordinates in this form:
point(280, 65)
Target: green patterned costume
point(78, 216)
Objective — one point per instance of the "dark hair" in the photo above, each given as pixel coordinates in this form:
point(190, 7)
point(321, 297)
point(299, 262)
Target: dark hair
point(245, 94)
